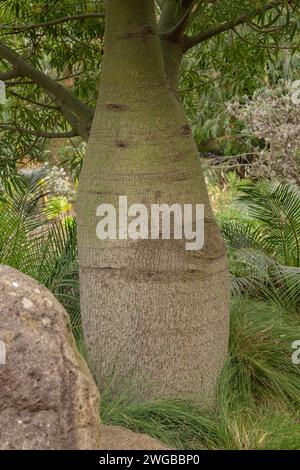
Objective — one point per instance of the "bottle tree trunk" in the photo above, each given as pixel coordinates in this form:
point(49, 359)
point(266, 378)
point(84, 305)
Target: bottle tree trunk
point(155, 315)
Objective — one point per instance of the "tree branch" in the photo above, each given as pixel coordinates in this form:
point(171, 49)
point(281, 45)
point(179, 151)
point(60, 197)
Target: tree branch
point(76, 124)
point(229, 25)
point(178, 28)
point(67, 99)
point(8, 75)
point(41, 133)
point(42, 105)
point(257, 29)
point(18, 83)
point(265, 46)
point(57, 21)
point(160, 3)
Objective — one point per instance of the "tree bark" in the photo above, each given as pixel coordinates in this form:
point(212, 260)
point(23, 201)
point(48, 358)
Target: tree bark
point(153, 313)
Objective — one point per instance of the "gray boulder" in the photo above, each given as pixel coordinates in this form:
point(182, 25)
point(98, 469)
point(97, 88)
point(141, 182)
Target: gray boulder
point(48, 398)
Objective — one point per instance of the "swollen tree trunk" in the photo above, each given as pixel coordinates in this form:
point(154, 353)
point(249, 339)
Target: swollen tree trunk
point(153, 313)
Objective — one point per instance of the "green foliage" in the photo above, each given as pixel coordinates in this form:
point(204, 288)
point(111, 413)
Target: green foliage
point(260, 353)
point(264, 253)
point(72, 156)
point(230, 64)
point(257, 405)
point(70, 52)
point(30, 243)
point(223, 188)
point(234, 64)
point(184, 425)
point(277, 207)
point(56, 206)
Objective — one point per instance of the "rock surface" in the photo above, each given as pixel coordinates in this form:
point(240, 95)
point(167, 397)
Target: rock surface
point(118, 438)
point(48, 398)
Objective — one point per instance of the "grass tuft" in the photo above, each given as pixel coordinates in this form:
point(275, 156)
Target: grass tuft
point(257, 403)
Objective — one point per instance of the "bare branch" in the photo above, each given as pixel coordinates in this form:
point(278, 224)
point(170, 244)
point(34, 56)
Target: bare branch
point(263, 30)
point(8, 75)
point(229, 25)
point(67, 99)
point(18, 83)
point(40, 133)
point(58, 79)
point(266, 46)
point(177, 29)
point(78, 127)
point(25, 98)
point(20, 28)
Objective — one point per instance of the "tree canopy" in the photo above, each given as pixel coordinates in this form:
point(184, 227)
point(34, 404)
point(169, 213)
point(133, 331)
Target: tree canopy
point(51, 53)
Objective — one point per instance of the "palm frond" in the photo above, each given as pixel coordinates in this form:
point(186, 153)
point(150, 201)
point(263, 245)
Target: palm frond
point(264, 254)
point(277, 207)
point(29, 242)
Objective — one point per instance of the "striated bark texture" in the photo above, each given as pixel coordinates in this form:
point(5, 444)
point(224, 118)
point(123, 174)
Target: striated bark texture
point(153, 313)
